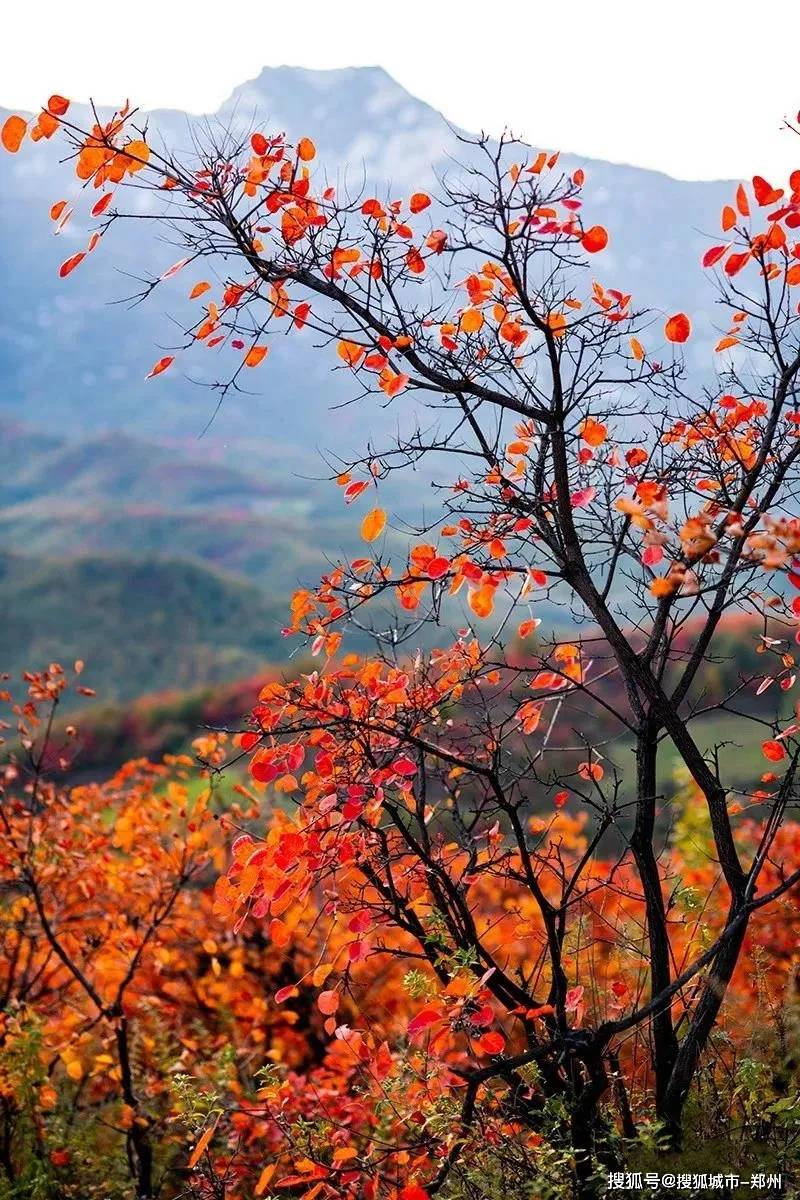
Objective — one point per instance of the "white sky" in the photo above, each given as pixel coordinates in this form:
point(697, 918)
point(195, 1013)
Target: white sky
point(697, 88)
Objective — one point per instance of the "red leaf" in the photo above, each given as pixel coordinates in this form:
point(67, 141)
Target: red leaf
point(404, 766)
point(437, 567)
point(678, 328)
point(765, 192)
point(423, 1019)
point(594, 239)
point(173, 270)
point(69, 265)
point(736, 262)
point(773, 750)
point(492, 1043)
point(102, 204)
point(713, 255)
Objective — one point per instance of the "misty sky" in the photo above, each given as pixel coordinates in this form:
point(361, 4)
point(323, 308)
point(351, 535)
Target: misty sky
point(697, 88)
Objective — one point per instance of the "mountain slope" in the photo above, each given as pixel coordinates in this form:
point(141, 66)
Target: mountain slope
point(140, 624)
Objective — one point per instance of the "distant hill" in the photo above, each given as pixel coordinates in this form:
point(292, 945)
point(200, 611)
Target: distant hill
point(140, 624)
point(119, 467)
point(114, 493)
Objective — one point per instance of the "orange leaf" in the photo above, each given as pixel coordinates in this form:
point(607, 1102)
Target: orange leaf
point(741, 201)
point(263, 1180)
point(419, 201)
point(350, 352)
point(202, 1143)
point(199, 289)
point(592, 771)
point(373, 524)
point(306, 150)
point(12, 133)
point(392, 382)
point(481, 600)
point(328, 1002)
point(161, 366)
point(728, 218)
point(637, 349)
point(321, 973)
point(726, 343)
point(255, 355)
point(471, 320)
point(593, 432)
point(137, 155)
point(678, 328)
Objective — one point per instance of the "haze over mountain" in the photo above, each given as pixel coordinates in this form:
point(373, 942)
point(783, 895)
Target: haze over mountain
point(74, 362)
point(98, 461)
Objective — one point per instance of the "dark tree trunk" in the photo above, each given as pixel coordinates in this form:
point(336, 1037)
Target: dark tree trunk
point(665, 1043)
point(705, 1015)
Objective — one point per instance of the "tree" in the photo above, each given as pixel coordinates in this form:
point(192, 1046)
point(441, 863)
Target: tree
point(580, 475)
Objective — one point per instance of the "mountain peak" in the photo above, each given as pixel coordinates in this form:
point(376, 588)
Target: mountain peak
point(353, 86)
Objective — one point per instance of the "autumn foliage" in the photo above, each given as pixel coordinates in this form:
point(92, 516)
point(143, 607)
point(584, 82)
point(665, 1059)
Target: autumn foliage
point(495, 945)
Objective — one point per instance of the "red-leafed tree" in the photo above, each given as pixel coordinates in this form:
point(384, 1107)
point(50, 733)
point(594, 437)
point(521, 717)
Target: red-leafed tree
point(582, 475)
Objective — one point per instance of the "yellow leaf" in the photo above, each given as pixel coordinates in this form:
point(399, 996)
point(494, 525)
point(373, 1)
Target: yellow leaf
point(138, 154)
point(471, 320)
point(351, 352)
point(373, 525)
point(321, 974)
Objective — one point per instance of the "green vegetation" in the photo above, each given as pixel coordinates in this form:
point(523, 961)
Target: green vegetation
point(140, 624)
